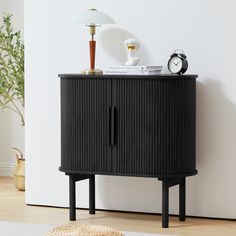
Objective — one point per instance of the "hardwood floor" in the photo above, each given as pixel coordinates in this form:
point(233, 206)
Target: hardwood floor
point(13, 208)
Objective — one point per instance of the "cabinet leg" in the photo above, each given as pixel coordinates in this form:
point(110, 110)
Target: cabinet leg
point(165, 204)
point(72, 198)
point(92, 194)
point(182, 200)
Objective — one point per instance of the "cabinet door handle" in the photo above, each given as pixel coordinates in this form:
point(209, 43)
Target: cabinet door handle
point(112, 118)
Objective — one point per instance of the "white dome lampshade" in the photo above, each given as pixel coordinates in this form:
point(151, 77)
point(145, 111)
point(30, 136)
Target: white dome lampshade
point(93, 17)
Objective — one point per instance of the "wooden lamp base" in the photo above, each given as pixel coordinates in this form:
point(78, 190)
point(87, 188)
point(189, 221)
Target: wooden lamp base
point(92, 70)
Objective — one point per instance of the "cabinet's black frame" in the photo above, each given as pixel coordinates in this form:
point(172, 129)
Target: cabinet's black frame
point(168, 180)
point(166, 184)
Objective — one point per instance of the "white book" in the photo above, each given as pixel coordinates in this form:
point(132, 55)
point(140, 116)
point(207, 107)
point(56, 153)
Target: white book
point(133, 72)
point(142, 68)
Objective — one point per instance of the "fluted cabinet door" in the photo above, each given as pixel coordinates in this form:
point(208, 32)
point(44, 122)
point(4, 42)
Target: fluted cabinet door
point(155, 133)
point(85, 125)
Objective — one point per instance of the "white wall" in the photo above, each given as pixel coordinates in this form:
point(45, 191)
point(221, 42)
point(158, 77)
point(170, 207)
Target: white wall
point(11, 132)
point(55, 44)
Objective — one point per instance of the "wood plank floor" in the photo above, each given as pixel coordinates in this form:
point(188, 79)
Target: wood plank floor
point(13, 208)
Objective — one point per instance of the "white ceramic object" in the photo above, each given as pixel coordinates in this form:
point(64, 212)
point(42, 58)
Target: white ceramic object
point(131, 47)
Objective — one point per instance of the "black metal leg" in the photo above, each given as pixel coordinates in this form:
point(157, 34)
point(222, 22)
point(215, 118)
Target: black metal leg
point(72, 198)
point(165, 204)
point(92, 194)
point(182, 200)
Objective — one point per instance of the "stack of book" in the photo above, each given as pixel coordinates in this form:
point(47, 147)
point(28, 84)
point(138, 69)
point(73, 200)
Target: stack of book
point(133, 70)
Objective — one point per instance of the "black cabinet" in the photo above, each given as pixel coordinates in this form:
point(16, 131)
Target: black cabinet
point(130, 126)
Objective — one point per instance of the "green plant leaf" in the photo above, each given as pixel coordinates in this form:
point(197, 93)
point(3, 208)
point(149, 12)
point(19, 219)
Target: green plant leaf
point(11, 68)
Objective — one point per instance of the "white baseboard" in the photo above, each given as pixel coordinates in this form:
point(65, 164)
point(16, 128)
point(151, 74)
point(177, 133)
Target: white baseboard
point(6, 169)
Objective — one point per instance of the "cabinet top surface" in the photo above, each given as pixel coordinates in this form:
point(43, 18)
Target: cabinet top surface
point(161, 76)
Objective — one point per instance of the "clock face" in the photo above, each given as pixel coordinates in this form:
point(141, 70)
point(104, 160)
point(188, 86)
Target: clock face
point(175, 65)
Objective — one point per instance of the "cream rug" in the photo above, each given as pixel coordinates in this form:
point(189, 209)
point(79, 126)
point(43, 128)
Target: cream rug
point(22, 229)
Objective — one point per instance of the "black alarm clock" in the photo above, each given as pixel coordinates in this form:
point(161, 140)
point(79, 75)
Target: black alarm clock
point(178, 63)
